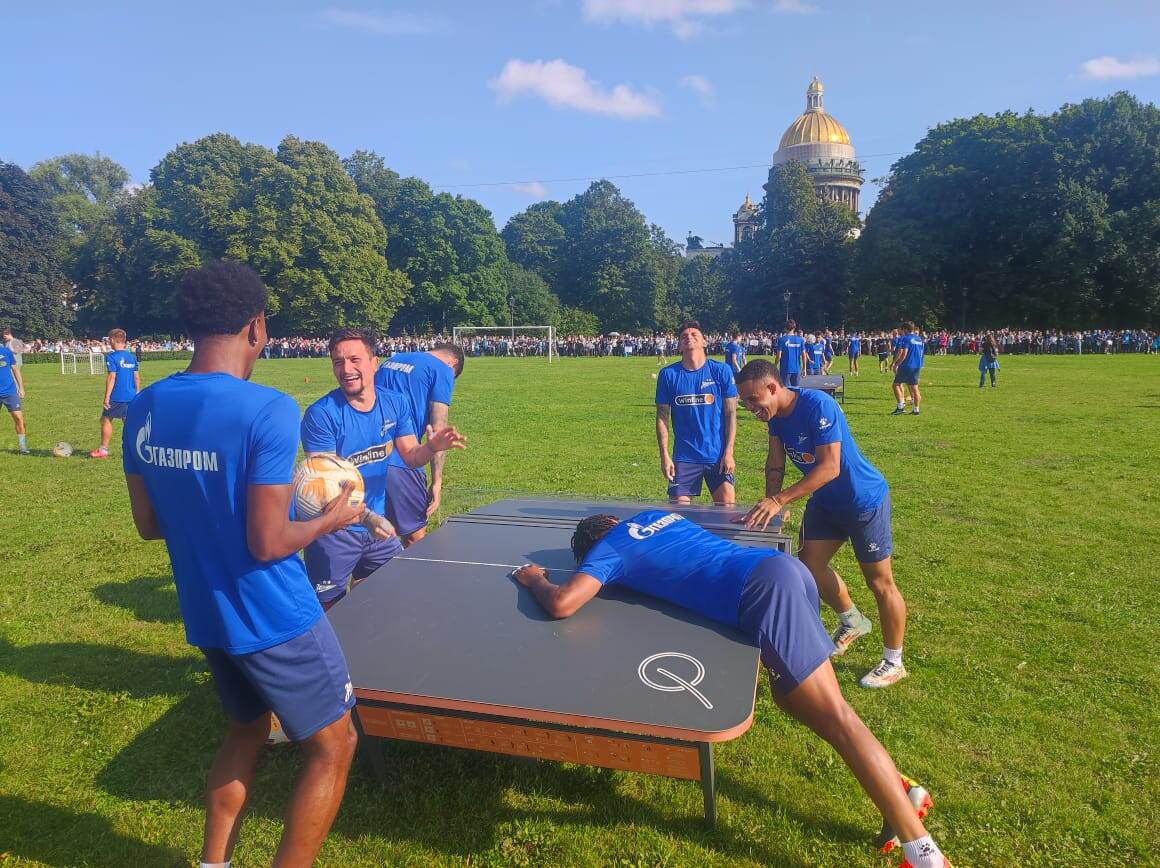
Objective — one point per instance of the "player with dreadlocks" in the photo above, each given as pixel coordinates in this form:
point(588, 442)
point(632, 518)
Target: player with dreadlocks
point(771, 598)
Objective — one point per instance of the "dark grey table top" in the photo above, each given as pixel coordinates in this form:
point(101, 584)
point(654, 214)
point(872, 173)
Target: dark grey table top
point(820, 381)
point(444, 626)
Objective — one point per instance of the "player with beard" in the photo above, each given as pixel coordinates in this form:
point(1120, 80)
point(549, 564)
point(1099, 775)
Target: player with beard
point(363, 424)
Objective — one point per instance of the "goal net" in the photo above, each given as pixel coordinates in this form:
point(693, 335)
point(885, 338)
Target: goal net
point(536, 340)
point(74, 362)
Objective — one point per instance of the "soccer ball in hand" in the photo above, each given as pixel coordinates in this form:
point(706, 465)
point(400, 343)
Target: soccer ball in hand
point(62, 449)
point(318, 480)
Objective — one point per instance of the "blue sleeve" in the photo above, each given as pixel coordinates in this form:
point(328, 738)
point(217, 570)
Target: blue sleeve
point(129, 449)
point(318, 430)
point(603, 564)
point(111, 363)
point(273, 443)
point(774, 431)
point(725, 381)
point(664, 388)
point(401, 410)
point(444, 384)
point(825, 420)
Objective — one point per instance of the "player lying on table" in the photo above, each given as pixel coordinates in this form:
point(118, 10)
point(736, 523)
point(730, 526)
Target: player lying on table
point(770, 597)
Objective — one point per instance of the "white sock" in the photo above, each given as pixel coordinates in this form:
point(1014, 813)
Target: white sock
point(22, 439)
point(892, 655)
point(923, 853)
point(901, 404)
point(225, 864)
point(850, 616)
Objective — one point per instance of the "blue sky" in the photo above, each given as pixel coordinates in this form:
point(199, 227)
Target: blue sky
point(501, 101)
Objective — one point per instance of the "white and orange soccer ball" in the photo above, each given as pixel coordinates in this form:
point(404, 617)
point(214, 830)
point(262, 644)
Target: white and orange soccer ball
point(318, 479)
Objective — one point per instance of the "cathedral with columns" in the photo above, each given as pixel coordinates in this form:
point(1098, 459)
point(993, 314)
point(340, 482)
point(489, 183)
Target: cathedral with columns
point(819, 142)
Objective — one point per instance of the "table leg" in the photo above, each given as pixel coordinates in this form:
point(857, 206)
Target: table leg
point(708, 783)
point(371, 748)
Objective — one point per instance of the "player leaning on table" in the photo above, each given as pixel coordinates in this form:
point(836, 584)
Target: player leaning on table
point(208, 461)
point(849, 500)
point(771, 598)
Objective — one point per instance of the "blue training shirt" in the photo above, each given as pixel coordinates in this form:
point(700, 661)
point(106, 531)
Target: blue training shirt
point(365, 439)
point(734, 352)
point(915, 351)
point(791, 347)
point(665, 555)
point(198, 441)
point(7, 363)
point(695, 398)
point(423, 378)
point(816, 420)
point(123, 365)
point(816, 354)
point(855, 346)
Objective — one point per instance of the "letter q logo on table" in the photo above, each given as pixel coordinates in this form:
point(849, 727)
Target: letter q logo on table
point(660, 677)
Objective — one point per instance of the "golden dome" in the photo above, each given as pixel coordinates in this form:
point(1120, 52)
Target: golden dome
point(814, 125)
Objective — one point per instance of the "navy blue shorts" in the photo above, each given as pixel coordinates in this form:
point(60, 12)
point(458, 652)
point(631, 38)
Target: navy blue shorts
point(779, 609)
point(117, 410)
point(336, 558)
point(406, 498)
point(12, 402)
point(868, 530)
point(907, 376)
point(791, 379)
point(687, 480)
point(305, 681)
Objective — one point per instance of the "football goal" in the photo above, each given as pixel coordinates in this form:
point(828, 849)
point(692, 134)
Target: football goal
point(534, 340)
point(74, 362)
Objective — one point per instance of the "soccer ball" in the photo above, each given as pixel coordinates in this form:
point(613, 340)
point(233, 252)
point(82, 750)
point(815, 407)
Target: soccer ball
point(318, 480)
point(62, 449)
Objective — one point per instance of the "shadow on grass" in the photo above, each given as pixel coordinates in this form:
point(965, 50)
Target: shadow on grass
point(45, 833)
point(149, 598)
point(98, 667)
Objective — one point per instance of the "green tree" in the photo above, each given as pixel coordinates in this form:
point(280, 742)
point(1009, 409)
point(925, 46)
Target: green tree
point(701, 293)
point(534, 303)
point(535, 240)
point(33, 288)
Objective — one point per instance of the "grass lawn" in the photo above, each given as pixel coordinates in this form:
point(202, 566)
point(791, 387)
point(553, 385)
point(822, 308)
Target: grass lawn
point(1026, 534)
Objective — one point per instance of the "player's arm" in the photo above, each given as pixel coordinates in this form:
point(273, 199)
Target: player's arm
point(110, 380)
point(137, 380)
point(559, 601)
point(16, 375)
point(271, 535)
point(668, 469)
point(144, 516)
point(417, 454)
point(900, 355)
point(827, 466)
point(766, 509)
point(437, 413)
point(728, 433)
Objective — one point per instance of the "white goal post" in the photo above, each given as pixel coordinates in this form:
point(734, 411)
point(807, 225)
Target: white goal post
point(462, 335)
point(69, 361)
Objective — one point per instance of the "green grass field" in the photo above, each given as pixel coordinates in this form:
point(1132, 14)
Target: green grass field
point(1027, 539)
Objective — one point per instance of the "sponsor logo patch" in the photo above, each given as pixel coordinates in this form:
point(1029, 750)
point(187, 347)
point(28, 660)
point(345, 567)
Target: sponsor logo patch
point(693, 400)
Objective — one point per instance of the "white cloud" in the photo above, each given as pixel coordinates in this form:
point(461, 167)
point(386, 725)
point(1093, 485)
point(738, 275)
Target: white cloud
point(685, 17)
point(532, 188)
point(1112, 67)
point(562, 85)
point(794, 7)
point(395, 23)
point(701, 86)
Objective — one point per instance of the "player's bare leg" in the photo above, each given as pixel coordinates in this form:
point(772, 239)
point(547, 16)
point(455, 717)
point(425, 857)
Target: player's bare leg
point(106, 433)
point(892, 614)
point(816, 554)
point(410, 539)
point(317, 793)
point(21, 431)
point(680, 500)
point(915, 396)
point(725, 494)
point(228, 787)
point(818, 703)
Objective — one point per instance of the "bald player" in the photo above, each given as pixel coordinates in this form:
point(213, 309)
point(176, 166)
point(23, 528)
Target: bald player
point(772, 599)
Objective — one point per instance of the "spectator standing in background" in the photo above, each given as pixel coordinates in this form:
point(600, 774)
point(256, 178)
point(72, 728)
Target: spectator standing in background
point(988, 360)
point(16, 346)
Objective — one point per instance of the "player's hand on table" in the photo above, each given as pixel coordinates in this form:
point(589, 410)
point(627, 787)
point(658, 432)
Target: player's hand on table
point(766, 510)
point(434, 496)
point(525, 574)
point(379, 527)
point(341, 512)
point(668, 468)
point(444, 439)
point(727, 465)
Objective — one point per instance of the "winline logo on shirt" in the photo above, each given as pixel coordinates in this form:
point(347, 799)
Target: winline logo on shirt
point(175, 457)
point(693, 400)
point(371, 454)
point(644, 531)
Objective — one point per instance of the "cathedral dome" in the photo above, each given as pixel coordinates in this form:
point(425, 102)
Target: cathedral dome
point(814, 126)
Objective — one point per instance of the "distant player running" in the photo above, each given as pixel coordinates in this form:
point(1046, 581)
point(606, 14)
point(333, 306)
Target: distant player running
point(735, 353)
point(768, 596)
point(791, 355)
point(209, 459)
point(428, 380)
point(849, 499)
point(909, 350)
point(364, 424)
point(698, 395)
point(12, 395)
point(122, 383)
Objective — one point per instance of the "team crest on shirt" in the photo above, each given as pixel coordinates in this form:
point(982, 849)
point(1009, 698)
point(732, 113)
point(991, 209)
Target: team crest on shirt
point(706, 384)
point(387, 426)
point(693, 400)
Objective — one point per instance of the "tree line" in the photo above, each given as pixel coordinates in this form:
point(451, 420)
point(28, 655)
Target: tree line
point(1032, 220)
